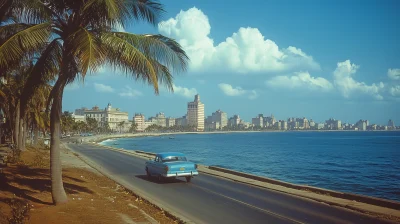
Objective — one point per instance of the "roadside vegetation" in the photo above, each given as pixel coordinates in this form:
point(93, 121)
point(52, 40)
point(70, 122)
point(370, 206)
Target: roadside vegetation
point(46, 45)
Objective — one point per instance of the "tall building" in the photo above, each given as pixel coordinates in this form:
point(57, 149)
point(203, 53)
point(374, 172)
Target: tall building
point(283, 125)
point(258, 121)
point(362, 125)
point(391, 124)
point(218, 117)
point(195, 113)
point(234, 121)
point(139, 120)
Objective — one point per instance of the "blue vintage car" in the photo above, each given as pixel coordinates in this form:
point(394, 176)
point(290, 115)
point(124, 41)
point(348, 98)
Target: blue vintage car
point(171, 165)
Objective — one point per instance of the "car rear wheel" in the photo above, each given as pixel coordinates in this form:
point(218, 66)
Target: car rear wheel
point(188, 179)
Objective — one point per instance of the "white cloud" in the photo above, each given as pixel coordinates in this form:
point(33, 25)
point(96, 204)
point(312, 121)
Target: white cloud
point(300, 80)
point(247, 50)
point(394, 73)
point(229, 90)
point(103, 88)
point(348, 86)
point(395, 90)
point(129, 92)
point(185, 92)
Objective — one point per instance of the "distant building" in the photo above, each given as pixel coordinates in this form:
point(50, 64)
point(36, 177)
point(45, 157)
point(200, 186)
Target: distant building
point(391, 124)
point(283, 125)
point(170, 122)
point(159, 120)
point(182, 121)
point(258, 121)
point(78, 118)
point(320, 126)
point(195, 113)
point(139, 120)
point(212, 126)
point(337, 125)
point(362, 125)
point(111, 116)
point(218, 117)
point(234, 121)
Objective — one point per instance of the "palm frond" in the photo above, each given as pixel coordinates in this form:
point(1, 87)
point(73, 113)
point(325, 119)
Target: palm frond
point(88, 50)
point(23, 42)
point(126, 57)
point(147, 10)
point(105, 12)
point(162, 49)
point(44, 70)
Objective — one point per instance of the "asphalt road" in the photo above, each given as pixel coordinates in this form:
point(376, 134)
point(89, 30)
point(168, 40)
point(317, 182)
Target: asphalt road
point(209, 199)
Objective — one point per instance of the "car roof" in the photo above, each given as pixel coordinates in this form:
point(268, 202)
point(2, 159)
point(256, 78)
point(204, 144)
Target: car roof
point(167, 154)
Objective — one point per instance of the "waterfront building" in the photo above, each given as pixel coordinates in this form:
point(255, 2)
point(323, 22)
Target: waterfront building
point(218, 116)
point(337, 125)
point(78, 118)
point(283, 125)
point(113, 116)
point(170, 121)
point(258, 121)
point(234, 121)
point(159, 120)
point(362, 125)
point(312, 124)
point(391, 124)
point(245, 125)
point(182, 121)
point(139, 120)
point(212, 126)
point(195, 114)
point(320, 126)
point(269, 121)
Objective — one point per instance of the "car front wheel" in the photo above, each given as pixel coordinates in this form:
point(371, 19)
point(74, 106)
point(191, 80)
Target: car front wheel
point(188, 179)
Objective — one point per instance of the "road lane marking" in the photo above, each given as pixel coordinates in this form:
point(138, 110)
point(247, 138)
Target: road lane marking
point(252, 206)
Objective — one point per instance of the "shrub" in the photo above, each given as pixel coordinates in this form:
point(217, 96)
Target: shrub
point(19, 211)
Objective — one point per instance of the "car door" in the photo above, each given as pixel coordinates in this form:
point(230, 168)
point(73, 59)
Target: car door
point(154, 164)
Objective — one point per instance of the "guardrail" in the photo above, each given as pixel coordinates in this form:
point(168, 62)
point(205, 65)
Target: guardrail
point(349, 196)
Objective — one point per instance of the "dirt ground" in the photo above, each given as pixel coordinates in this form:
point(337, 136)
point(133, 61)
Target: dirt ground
point(26, 188)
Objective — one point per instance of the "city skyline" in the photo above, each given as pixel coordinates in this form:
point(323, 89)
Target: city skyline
point(318, 66)
point(196, 117)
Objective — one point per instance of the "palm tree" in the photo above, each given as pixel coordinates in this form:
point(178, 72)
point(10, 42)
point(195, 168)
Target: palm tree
point(75, 37)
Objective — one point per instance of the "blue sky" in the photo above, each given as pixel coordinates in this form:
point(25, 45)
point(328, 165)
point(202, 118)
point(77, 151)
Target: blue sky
point(316, 59)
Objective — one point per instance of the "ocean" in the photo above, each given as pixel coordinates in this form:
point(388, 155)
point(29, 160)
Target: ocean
point(366, 163)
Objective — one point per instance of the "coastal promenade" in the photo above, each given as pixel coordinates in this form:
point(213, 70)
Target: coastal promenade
point(214, 199)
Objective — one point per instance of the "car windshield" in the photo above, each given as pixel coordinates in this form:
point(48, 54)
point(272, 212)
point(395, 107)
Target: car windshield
point(174, 158)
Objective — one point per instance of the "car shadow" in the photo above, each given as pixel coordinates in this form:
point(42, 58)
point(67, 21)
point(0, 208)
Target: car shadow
point(163, 180)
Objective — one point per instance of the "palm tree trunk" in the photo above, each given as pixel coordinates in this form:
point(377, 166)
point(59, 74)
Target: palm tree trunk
point(16, 126)
point(25, 134)
point(57, 188)
point(21, 134)
point(35, 136)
